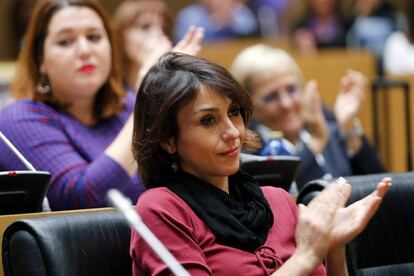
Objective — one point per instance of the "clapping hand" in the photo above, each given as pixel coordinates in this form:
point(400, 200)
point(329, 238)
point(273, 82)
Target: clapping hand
point(191, 43)
point(327, 225)
point(349, 99)
point(350, 221)
point(315, 223)
point(313, 118)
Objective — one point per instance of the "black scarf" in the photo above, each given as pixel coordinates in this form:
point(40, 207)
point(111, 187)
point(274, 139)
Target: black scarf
point(240, 218)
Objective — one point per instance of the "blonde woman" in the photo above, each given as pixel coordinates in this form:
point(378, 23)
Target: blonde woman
point(329, 144)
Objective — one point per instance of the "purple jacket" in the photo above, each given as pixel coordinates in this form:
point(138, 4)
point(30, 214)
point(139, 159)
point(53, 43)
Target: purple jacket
point(72, 152)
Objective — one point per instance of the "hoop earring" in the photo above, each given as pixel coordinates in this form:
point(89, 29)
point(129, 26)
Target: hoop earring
point(174, 164)
point(43, 86)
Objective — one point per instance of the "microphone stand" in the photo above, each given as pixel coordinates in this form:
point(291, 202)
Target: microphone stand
point(16, 152)
point(123, 204)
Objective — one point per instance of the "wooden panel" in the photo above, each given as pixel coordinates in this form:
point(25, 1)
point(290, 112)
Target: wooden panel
point(224, 52)
point(396, 131)
point(393, 118)
point(7, 45)
point(7, 69)
point(392, 131)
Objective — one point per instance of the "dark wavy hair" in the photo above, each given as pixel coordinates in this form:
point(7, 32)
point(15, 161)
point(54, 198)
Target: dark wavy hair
point(109, 99)
point(169, 85)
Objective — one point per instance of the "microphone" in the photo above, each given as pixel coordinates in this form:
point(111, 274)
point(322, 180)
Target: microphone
point(28, 165)
point(123, 204)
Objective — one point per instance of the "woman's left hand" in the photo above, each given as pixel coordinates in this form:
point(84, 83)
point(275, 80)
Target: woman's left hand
point(350, 221)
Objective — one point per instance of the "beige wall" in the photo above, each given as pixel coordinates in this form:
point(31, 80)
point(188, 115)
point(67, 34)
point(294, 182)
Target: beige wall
point(5, 45)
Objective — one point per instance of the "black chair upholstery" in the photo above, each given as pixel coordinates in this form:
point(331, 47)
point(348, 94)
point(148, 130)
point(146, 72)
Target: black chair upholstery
point(386, 246)
point(310, 190)
point(71, 244)
point(278, 171)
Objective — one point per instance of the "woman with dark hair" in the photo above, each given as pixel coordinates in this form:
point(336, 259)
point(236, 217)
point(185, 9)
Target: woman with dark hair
point(190, 118)
point(71, 117)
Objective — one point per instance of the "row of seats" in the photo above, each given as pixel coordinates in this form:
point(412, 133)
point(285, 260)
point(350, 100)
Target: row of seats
point(97, 243)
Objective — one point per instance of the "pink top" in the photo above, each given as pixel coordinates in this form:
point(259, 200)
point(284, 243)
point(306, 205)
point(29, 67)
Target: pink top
point(194, 245)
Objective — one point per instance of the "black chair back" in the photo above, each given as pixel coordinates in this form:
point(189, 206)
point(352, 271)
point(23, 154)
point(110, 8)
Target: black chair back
point(278, 171)
point(94, 243)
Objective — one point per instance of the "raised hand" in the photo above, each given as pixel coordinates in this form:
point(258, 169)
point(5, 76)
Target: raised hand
point(313, 117)
point(191, 43)
point(155, 47)
point(150, 47)
point(350, 221)
point(349, 99)
point(325, 226)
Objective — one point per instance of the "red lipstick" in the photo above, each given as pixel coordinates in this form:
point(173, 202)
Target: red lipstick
point(230, 153)
point(87, 68)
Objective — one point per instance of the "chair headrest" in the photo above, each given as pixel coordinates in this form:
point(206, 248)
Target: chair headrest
point(310, 190)
point(71, 244)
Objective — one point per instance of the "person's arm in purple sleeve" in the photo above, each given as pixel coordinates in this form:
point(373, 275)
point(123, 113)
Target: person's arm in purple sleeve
point(120, 148)
point(76, 181)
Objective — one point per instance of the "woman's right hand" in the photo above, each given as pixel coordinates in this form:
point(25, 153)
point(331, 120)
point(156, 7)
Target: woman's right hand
point(316, 222)
point(314, 230)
